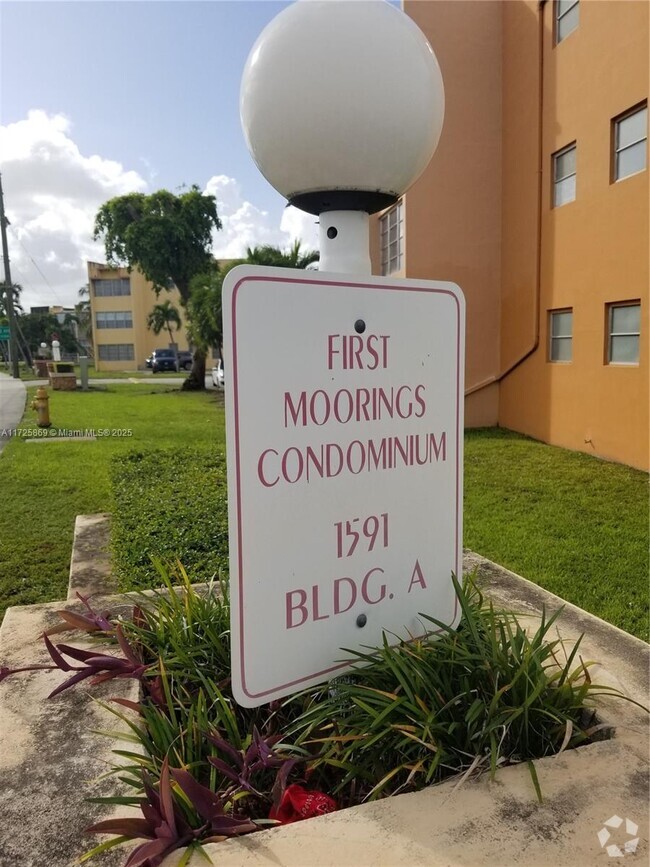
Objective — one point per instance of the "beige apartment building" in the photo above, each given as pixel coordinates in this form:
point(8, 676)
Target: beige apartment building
point(120, 303)
point(536, 204)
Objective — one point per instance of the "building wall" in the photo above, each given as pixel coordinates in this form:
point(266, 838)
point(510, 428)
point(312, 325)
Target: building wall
point(482, 216)
point(594, 250)
point(452, 213)
point(459, 193)
point(140, 302)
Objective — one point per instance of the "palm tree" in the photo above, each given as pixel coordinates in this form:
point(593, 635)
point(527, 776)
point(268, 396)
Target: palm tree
point(162, 317)
point(15, 294)
point(206, 327)
point(266, 254)
point(18, 310)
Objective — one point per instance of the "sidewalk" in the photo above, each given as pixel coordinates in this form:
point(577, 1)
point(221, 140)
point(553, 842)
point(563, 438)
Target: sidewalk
point(13, 395)
point(134, 380)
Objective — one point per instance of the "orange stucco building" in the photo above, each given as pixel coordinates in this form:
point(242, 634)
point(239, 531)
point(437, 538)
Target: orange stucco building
point(536, 204)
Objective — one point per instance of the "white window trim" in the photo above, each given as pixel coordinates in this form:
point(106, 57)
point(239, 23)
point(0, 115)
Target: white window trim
point(556, 181)
point(552, 337)
point(396, 212)
point(559, 17)
point(611, 334)
point(618, 150)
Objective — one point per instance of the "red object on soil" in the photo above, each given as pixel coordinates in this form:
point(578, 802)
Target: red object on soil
point(299, 803)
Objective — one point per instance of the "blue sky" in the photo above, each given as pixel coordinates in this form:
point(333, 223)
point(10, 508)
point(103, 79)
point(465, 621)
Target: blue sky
point(124, 95)
point(154, 85)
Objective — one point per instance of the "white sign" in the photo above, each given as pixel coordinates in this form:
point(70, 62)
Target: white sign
point(344, 406)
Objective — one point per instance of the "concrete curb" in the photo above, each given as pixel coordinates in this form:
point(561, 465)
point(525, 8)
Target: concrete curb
point(500, 822)
point(51, 760)
point(50, 763)
point(90, 563)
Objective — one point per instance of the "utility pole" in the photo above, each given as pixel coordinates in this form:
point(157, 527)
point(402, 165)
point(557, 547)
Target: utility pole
point(9, 289)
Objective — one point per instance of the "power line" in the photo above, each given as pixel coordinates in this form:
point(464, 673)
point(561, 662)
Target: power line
point(22, 281)
point(32, 260)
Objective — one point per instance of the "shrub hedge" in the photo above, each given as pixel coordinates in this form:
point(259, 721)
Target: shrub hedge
point(170, 504)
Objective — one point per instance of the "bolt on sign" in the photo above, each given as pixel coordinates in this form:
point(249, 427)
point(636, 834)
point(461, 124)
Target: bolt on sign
point(344, 408)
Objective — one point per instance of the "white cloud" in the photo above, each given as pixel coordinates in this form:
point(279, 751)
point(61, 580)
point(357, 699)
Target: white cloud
point(52, 193)
point(245, 225)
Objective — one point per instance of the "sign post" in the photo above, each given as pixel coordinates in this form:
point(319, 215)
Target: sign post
point(344, 468)
point(344, 405)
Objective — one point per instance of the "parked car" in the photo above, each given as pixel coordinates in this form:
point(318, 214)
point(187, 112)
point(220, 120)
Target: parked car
point(165, 359)
point(185, 359)
point(217, 375)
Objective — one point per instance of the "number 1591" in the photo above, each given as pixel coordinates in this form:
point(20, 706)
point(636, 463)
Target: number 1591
point(371, 532)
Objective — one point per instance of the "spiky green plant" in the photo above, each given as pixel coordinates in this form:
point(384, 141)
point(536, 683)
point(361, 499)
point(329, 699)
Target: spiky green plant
point(183, 631)
point(483, 695)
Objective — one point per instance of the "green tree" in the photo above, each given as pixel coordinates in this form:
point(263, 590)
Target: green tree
point(162, 317)
point(15, 292)
point(206, 327)
point(169, 238)
point(37, 328)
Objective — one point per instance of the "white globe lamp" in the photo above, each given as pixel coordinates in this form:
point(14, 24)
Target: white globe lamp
point(342, 105)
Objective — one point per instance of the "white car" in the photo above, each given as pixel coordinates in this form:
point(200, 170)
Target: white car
point(217, 375)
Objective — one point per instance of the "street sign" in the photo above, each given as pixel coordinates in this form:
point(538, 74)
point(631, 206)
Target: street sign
point(4, 332)
point(344, 404)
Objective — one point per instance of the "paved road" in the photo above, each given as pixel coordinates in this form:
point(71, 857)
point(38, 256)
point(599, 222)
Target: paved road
point(12, 405)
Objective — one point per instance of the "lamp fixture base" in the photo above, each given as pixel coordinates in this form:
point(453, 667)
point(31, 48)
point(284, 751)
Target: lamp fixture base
point(321, 201)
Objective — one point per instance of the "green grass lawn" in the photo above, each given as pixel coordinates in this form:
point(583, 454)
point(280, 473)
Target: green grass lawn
point(44, 486)
point(569, 522)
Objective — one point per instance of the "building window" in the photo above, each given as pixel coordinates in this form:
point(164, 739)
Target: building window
point(566, 18)
point(108, 287)
point(564, 175)
point(114, 319)
point(623, 331)
point(391, 235)
point(115, 351)
point(561, 335)
point(630, 142)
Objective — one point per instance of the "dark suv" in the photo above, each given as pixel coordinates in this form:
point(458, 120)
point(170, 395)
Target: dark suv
point(165, 359)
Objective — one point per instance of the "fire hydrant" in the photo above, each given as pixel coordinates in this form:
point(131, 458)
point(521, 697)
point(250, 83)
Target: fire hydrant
point(41, 404)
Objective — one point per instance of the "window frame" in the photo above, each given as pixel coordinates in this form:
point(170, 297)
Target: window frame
point(615, 150)
point(124, 284)
point(101, 322)
point(558, 17)
point(555, 181)
point(386, 222)
point(609, 335)
point(120, 355)
point(552, 337)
